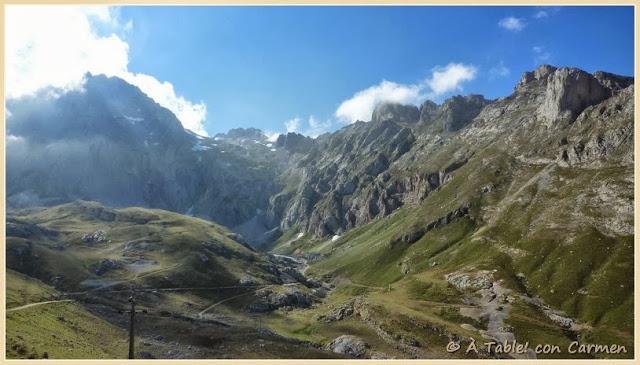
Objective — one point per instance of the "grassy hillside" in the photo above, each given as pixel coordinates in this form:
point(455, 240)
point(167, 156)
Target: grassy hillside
point(56, 330)
point(540, 229)
point(193, 282)
point(138, 245)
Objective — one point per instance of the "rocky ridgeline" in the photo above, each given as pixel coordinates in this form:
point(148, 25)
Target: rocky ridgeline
point(358, 173)
point(323, 186)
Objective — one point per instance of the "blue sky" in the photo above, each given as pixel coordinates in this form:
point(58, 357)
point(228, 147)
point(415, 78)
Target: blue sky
point(264, 66)
point(261, 66)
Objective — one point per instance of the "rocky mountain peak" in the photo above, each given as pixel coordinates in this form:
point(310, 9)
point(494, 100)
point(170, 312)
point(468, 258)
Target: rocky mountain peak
point(243, 133)
point(543, 71)
point(458, 110)
point(428, 110)
point(395, 112)
point(540, 73)
point(295, 142)
point(568, 92)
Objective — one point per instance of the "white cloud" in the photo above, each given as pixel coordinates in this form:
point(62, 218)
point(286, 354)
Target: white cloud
point(292, 125)
point(512, 24)
point(540, 14)
point(540, 55)
point(443, 80)
point(499, 70)
point(448, 78)
point(317, 127)
point(312, 127)
point(57, 45)
point(361, 104)
point(191, 115)
point(272, 136)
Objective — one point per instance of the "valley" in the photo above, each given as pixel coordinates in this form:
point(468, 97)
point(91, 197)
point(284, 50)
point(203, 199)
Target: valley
point(471, 221)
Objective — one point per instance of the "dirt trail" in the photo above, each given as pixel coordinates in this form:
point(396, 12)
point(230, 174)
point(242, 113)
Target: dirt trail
point(37, 304)
point(112, 283)
point(222, 301)
point(493, 306)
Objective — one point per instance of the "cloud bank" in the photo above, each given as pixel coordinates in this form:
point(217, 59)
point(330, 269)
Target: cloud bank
point(443, 80)
point(57, 45)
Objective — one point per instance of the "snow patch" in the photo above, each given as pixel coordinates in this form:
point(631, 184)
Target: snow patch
point(273, 150)
point(132, 119)
point(199, 147)
point(335, 238)
point(299, 236)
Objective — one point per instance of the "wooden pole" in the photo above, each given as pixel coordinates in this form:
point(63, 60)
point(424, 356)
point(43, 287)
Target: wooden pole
point(132, 300)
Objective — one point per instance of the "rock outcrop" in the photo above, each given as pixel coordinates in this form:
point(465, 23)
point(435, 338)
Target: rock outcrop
point(569, 92)
point(98, 236)
point(395, 112)
point(295, 142)
point(454, 113)
point(348, 345)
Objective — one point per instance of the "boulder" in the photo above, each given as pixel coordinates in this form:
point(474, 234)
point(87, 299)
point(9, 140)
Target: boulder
point(98, 236)
point(470, 281)
point(348, 345)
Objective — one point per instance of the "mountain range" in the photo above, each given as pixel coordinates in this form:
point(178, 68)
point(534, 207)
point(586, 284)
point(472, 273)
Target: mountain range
point(527, 198)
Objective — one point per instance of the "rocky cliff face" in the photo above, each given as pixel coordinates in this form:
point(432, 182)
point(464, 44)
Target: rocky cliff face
point(458, 111)
point(368, 170)
point(338, 180)
point(569, 91)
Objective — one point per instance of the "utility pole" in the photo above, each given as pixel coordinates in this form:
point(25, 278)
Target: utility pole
point(132, 319)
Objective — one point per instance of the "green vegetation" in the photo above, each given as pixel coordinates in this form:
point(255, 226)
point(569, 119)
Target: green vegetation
point(56, 330)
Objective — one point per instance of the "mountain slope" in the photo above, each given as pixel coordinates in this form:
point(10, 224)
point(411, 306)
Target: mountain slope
point(539, 206)
point(111, 143)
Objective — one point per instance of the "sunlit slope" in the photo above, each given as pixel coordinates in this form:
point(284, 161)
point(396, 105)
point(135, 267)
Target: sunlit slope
point(58, 329)
point(543, 229)
point(83, 245)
